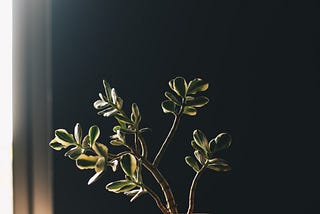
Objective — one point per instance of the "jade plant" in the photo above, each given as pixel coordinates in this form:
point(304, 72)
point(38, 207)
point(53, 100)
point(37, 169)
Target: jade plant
point(90, 154)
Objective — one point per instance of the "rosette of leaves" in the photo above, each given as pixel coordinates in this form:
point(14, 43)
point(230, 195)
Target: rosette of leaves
point(184, 100)
point(205, 152)
point(86, 151)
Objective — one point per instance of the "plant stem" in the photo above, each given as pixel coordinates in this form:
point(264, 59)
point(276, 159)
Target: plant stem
point(193, 188)
point(169, 137)
point(157, 199)
point(144, 150)
point(171, 204)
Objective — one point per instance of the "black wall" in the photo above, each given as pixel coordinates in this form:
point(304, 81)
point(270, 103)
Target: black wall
point(262, 62)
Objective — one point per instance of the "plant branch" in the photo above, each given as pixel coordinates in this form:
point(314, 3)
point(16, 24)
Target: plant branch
point(157, 200)
point(169, 137)
point(193, 188)
point(144, 150)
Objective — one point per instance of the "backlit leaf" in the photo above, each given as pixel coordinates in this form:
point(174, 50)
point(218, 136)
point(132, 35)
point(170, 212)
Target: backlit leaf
point(180, 86)
point(120, 186)
point(78, 133)
point(94, 133)
point(74, 153)
point(191, 111)
point(63, 137)
point(197, 85)
point(201, 140)
point(219, 165)
point(100, 149)
point(192, 163)
point(136, 113)
point(128, 164)
point(198, 101)
point(221, 142)
point(86, 161)
point(123, 119)
point(172, 98)
point(168, 106)
point(100, 164)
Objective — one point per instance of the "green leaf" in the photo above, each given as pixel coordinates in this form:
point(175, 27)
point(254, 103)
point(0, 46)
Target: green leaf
point(119, 103)
point(94, 133)
point(180, 86)
point(172, 98)
point(86, 142)
point(221, 142)
point(128, 164)
point(201, 140)
point(78, 133)
point(108, 112)
point(197, 85)
point(197, 147)
point(192, 163)
point(57, 145)
point(95, 177)
point(197, 101)
point(168, 107)
point(63, 137)
point(201, 157)
point(120, 186)
point(136, 113)
point(219, 165)
point(100, 149)
point(123, 119)
point(191, 111)
point(100, 164)
point(127, 131)
point(74, 153)
point(86, 161)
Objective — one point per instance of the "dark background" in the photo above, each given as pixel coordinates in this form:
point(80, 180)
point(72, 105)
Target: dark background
point(262, 62)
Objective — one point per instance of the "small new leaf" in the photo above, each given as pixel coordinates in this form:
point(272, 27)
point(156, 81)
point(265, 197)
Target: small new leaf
point(192, 163)
point(78, 133)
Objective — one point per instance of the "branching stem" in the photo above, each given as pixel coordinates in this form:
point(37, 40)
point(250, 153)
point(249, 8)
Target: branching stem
point(157, 200)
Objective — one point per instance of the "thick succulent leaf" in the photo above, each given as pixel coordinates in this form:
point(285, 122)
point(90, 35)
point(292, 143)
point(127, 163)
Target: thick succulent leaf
point(114, 165)
point(120, 186)
point(95, 177)
point(171, 84)
point(107, 90)
point(219, 165)
point(180, 86)
point(74, 153)
point(192, 163)
point(108, 112)
point(117, 142)
point(191, 111)
point(78, 133)
point(197, 147)
point(100, 164)
point(114, 96)
point(128, 164)
point(136, 113)
point(123, 119)
point(168, 106)
point(201, 140)
point(63, 137)
point(221, 142)
point(86, 142)
point(201, 157)
point(197, 101)
point(197, 85)
point(94, 133)
point(86, 161)
point(119, 103)
point(100, 104)
point(100, 149)
point(57, 145)
point(172, 98)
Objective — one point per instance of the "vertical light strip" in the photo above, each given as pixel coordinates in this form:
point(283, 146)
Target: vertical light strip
point(6, 188)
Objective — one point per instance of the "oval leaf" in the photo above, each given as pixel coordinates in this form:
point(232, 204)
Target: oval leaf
point(57, 145)
point(197, 85)
point(128, 164)
point(63, 137)
point(201, 157)
point(123, 119)
point(191, 111)
point(136, 112)
point(86, 142)
point(180, 86)
point(78, 133)
point(120, 186)
point(198, 101)
point(94, 133)
point(192, 163)
point(100, 164)
point(221, 142)
point(168, 106)
point(74, 153)
point(86, 161)
point(100, 149)
point(201, 140)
